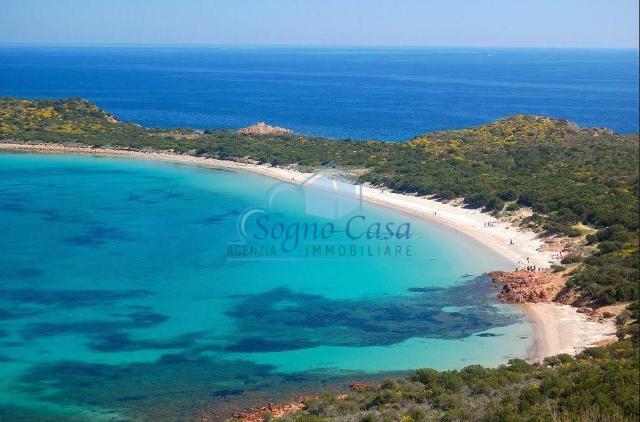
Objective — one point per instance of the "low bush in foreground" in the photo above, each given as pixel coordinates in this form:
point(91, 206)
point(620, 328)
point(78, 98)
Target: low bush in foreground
point(599, 384)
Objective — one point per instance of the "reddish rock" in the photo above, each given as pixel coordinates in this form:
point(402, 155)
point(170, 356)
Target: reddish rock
point(360, 385)
point(523, 286)
point(273, 410)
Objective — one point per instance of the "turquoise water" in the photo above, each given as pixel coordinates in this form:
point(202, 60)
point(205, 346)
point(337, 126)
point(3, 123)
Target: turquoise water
point(119, 299)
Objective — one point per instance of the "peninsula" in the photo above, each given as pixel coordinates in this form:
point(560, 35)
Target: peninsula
point(559, 201)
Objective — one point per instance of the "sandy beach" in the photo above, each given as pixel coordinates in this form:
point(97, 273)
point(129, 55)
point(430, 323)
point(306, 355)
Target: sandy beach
point(561, 329)
point(558, 328)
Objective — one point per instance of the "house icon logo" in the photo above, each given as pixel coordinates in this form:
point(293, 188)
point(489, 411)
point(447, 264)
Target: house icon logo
point(331, 193)
point(320, 218)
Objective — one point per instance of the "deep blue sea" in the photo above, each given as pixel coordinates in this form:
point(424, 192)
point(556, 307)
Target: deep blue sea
point(365, 93)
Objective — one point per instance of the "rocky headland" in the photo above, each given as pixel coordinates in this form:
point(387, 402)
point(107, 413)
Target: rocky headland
point(262, 129)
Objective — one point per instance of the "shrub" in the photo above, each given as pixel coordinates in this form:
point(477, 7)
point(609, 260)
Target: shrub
point(571, 259)
point(512, 207)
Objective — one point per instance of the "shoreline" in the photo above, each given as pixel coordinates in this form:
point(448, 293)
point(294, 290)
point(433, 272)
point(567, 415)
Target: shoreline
point(469, 222)
point(557, 328)
point(564, 330)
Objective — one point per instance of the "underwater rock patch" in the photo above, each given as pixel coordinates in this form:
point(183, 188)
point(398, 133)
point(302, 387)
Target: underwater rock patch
point(70, 298)
point(264, 325)
point(121, 342)
point(101, 328)
point(97, 236)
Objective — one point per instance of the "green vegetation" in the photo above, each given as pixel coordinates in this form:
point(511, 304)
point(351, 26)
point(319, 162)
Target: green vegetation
point(576, 182)
point(611, 274)
point(600, 384)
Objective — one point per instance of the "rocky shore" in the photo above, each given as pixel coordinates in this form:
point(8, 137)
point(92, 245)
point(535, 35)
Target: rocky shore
point(524, 286)
point(278, 410)
point(559, 327)
point(270, 411)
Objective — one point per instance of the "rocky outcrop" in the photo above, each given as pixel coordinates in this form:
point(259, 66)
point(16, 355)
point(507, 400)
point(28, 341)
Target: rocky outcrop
point(360, 385)
point(262, 129)
point(270, 411)
point(523, 286)
point(109, 118)
point(279, 410)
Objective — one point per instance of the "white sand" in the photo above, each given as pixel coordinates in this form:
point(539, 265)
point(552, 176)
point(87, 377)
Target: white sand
point(558, 328)
point(561, 329)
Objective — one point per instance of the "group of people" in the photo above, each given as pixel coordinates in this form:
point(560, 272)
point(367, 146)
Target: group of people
point(531, 267)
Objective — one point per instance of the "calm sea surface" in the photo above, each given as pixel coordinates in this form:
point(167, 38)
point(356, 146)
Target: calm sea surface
point(390, 94)
point(119, 296)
